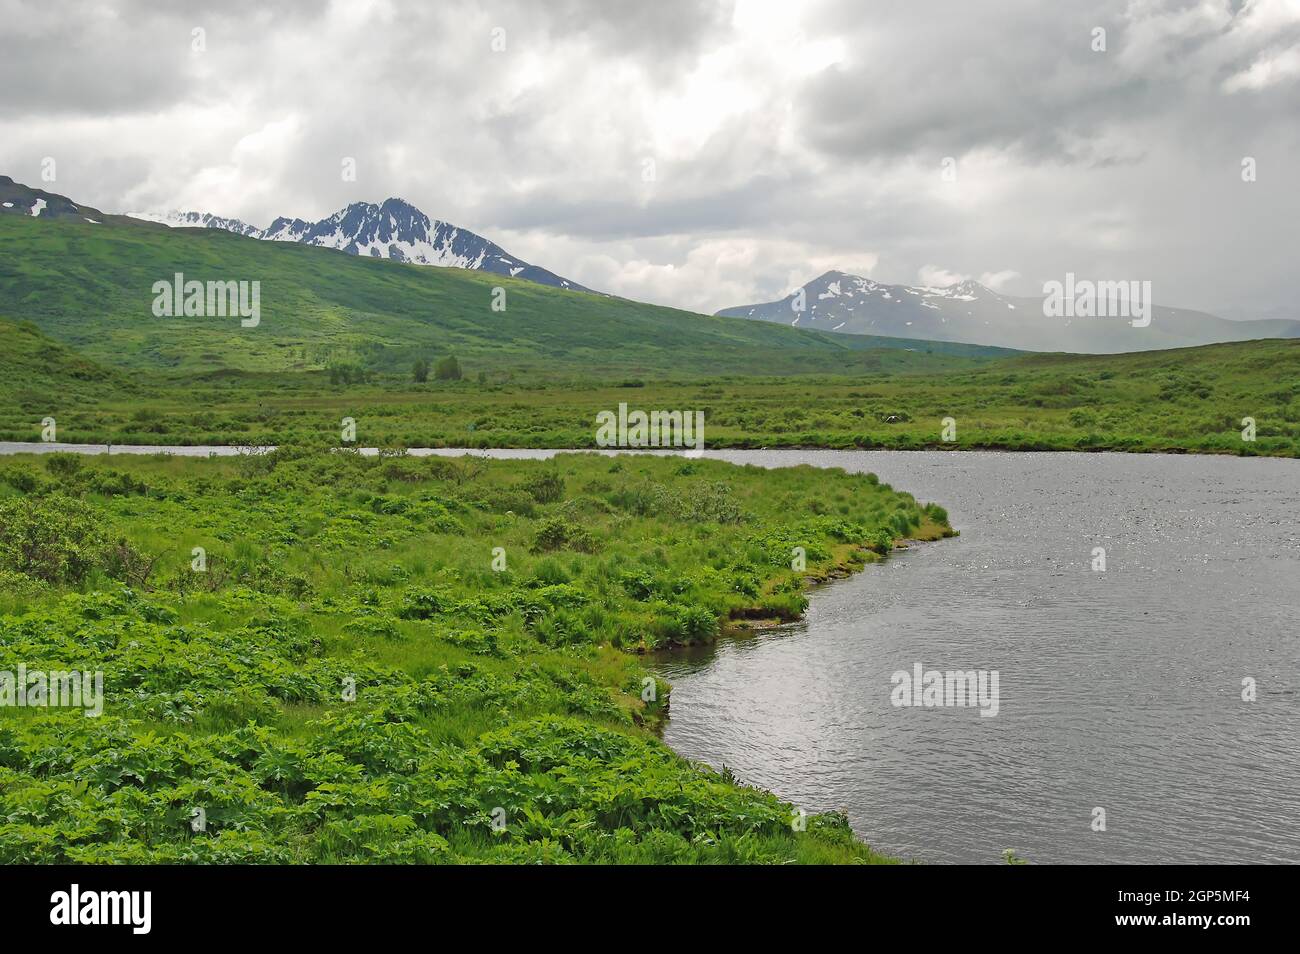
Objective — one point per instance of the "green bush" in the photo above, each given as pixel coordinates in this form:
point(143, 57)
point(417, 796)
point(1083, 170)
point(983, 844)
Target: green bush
point(63, 465)
point(56, 539)
point(556, 533)
point(447, 369)
point(546, 486)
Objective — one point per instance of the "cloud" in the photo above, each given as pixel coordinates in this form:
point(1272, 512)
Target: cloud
point(1270, 69)
point(935, 277)
point(785, 139)
point(998, 280)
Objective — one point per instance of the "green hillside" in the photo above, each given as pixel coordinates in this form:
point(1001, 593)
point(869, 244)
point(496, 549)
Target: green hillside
point(91, 286)
point(34, 367)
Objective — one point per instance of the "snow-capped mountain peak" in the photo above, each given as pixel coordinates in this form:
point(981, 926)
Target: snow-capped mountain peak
point(839, 301)
point(393, 229)
point(972, 313)
point(835, 294)
point(196, 220)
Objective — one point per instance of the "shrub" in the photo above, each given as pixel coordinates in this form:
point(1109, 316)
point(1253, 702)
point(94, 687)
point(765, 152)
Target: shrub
point(23, 479)
point(424, 604)
point(549, 572)
point(936, 513)
point(56, 539)
point(63, 465)
point(124, 562)
point(695, 624)
point(880, 541)
point(555, 533)
point(1081, 417)
point(114, 483)
point(546, 487)
point(447, 369)
point(712, 503)
point(347, 373)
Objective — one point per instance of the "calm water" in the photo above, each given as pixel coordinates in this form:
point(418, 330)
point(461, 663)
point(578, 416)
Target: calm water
point(1118, 689)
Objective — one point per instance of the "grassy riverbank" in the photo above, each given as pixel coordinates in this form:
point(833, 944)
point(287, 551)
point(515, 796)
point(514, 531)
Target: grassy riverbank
point(400, 660)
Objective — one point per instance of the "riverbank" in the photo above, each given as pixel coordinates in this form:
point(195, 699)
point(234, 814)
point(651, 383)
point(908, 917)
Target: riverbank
point(347, 658)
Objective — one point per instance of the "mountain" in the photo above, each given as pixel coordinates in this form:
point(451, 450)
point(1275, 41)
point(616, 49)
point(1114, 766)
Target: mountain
point(199, 220)
point(393, 229)
point(91, 286)
point(18, 199)
point(969, 312)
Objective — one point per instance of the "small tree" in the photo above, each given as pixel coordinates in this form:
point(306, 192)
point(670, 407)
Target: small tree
point(421, 371)
point(347, 373)
point(448, 369)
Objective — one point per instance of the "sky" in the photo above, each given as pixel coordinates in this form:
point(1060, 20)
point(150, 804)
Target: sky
point(701, 154)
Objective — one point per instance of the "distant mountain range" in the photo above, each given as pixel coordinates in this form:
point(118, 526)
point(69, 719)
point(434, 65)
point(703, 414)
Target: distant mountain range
point(87, 281)
point(971, 313)
point(965, 313)
point(393, 229)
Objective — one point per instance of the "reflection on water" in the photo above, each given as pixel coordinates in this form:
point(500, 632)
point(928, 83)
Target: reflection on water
point(1118, 690)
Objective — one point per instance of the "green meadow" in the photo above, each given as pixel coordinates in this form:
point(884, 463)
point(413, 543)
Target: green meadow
point(322, 657)
point(1189, 400)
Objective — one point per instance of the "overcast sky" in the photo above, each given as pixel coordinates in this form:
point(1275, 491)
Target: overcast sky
point(780, 139)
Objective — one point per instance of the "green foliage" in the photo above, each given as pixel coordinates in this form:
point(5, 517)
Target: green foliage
point(56, 539)
point(546, 486)
point(556, 533)
point(81, 284)
point(345, 682)
point(63, 465)
point(447, 369)
point(347, 372)
point(1025, 403)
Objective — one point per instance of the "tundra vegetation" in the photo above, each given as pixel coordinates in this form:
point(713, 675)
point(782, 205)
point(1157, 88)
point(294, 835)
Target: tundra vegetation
point(1188, 400)
point(315, 656)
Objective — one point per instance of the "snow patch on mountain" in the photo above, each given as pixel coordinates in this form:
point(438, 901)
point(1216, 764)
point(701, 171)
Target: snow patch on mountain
point(970, 312)
point(197, 220)
point(393, 229)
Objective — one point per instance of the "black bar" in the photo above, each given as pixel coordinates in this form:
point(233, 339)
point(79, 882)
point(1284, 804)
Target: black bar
point(332, 904)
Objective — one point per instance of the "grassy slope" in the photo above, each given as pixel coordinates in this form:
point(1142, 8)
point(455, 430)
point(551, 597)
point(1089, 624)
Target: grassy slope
point(476, 689)
point(31, 363)
point(90, 286)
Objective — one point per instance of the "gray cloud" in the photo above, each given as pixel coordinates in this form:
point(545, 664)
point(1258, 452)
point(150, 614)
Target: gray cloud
point(784, 138)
